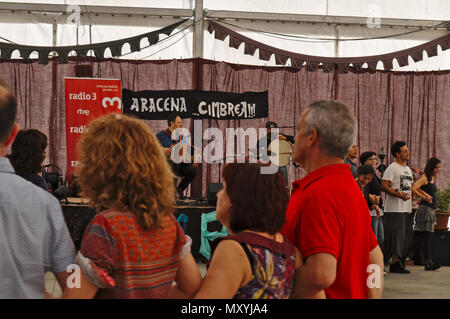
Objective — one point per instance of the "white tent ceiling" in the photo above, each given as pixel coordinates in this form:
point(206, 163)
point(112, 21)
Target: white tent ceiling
point(294, 25)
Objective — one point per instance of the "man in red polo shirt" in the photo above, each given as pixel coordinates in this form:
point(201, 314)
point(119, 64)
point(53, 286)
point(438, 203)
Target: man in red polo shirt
point(327, 217)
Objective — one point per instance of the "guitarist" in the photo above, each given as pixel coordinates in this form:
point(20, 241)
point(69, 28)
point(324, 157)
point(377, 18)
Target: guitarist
point(184, 170)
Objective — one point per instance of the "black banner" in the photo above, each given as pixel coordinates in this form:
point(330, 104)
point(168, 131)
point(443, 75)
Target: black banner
point(157, 105)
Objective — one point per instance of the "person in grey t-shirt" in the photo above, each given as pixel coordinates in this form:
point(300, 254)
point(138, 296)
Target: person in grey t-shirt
point(396, 183)
point(34, 238)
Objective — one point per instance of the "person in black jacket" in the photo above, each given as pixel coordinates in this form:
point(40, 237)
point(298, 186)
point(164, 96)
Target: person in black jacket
point(374, 188)
point(27, 155)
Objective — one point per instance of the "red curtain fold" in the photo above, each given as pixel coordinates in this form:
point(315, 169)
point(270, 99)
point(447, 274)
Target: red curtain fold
point(432, 51)
point(235, 42)
point(82, 50)
point(249, 49)
point(389, 106)
point(296, 63)
point(221, 32)
point(264, 55)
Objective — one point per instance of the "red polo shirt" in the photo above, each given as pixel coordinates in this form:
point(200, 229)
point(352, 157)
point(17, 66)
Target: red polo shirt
point(327, 213)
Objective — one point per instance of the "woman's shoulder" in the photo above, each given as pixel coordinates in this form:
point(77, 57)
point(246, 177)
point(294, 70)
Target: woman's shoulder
point(229, 249)
point(279, 244)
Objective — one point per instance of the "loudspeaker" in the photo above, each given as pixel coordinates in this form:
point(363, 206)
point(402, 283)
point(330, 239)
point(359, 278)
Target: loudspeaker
point(440, 247)
point(211, 192)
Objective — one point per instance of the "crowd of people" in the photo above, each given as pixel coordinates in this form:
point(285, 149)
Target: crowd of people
point(322, 242)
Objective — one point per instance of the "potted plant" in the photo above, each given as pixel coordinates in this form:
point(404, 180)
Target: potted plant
point(442, 201)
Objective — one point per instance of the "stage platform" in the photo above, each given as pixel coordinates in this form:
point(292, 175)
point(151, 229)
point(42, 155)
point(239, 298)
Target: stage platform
point(78, 214)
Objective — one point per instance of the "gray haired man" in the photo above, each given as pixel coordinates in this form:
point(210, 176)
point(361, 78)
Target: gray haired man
point(327, 218)
point(33, 235)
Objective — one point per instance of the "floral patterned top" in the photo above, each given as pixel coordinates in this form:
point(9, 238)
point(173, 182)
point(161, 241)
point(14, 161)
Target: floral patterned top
point(273, 266)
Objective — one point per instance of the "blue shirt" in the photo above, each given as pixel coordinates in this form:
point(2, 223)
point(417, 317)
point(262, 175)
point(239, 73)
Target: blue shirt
point(34, 238)
point(353, 167)
point(165, 140)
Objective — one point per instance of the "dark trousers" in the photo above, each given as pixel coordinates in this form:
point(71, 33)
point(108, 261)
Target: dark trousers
point(187, 174)
point(422, 241)
point(394, 234)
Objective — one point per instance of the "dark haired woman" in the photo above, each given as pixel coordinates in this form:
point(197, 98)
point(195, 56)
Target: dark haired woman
point(374, 188)
point(256, 261)
point(27, 155)
point(425, 188)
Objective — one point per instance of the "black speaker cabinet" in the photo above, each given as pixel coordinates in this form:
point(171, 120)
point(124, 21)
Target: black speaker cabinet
point(440, 247)
point(211, 192)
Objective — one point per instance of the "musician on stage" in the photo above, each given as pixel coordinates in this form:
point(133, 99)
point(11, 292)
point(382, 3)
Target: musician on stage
point(184, 170)
point(263, 152)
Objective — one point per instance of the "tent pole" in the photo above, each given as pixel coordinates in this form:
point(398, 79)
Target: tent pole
point(198, 30)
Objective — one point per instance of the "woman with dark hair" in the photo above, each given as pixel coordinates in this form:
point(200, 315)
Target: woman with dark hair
point(256, 261)
point(425, 188)
point(374, 189)
point(27, 155)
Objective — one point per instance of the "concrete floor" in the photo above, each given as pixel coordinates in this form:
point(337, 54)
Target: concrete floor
point(419, 284)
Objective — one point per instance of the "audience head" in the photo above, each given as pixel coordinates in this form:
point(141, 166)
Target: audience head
point(328, 125)
point(400, 151)
point(251, 200)
point(174, 121)
point(432, 168)
point(365, 174)
point(122, 166)
point(28, 151)
point(369, 157)
point(353, 152)
point(8, 110)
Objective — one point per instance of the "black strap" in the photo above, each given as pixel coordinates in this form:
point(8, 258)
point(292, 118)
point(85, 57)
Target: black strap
point(248, 253)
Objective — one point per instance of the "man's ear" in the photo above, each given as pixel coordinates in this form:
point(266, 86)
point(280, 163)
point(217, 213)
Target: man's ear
point(312, 139)
point(13, 134)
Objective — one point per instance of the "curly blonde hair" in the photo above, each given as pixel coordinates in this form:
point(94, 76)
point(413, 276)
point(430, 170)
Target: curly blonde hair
point(122, 166)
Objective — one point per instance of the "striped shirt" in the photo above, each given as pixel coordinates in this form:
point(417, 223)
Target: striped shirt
point(125, 261)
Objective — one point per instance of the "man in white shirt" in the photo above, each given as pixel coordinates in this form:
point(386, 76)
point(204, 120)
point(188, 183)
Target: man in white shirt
point(396, 183)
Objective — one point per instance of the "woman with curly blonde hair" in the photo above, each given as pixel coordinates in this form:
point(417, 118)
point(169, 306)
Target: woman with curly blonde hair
point(134, 247)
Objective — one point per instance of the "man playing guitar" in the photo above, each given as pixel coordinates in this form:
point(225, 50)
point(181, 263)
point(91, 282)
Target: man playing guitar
point(184, 170)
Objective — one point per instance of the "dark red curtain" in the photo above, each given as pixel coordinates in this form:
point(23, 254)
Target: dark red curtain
point(389, 106)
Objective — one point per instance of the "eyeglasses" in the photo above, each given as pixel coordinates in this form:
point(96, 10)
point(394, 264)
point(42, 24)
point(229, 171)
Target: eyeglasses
point(372, 159)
